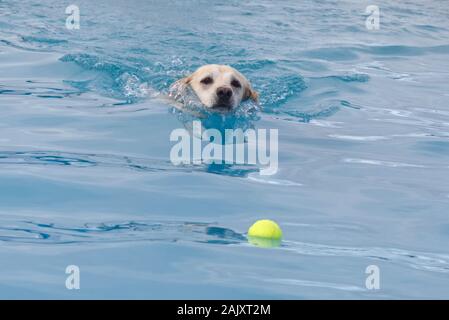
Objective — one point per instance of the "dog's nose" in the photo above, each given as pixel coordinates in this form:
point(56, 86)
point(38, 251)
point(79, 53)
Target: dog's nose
point(224, 93)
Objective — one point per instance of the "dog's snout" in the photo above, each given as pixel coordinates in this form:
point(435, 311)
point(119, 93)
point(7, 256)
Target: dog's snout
point(224, 93)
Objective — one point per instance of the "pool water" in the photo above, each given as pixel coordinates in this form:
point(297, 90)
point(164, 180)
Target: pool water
point(86, 178)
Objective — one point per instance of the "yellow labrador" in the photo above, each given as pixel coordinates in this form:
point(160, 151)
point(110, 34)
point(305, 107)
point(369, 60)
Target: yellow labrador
point(218, 87)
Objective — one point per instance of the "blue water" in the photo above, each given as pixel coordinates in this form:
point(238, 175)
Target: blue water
point(86, 179)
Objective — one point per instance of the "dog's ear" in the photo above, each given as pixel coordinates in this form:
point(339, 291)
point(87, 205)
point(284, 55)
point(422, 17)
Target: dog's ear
point(250, 93)
point(184, 81)
point(178, 87)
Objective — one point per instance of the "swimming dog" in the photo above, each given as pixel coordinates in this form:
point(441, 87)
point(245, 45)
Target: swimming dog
point(218, 87)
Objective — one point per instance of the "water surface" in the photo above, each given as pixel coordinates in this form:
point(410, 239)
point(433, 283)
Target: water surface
point(86, 179)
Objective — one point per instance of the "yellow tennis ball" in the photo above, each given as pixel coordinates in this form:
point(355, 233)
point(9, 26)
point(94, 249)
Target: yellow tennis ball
point(265, 233)
point(264, 242)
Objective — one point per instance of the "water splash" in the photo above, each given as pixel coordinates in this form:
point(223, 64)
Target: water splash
point(188, 109)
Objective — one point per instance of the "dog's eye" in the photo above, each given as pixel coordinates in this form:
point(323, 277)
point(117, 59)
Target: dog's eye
point(207, 80)
point(236, 83)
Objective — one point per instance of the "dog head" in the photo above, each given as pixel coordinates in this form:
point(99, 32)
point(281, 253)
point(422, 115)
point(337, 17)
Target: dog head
point(219, 87)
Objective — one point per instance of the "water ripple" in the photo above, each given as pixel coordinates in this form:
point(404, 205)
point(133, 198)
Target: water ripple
point(391, 164)
point(56, 158)
point(33, 232)
point(416, 260)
